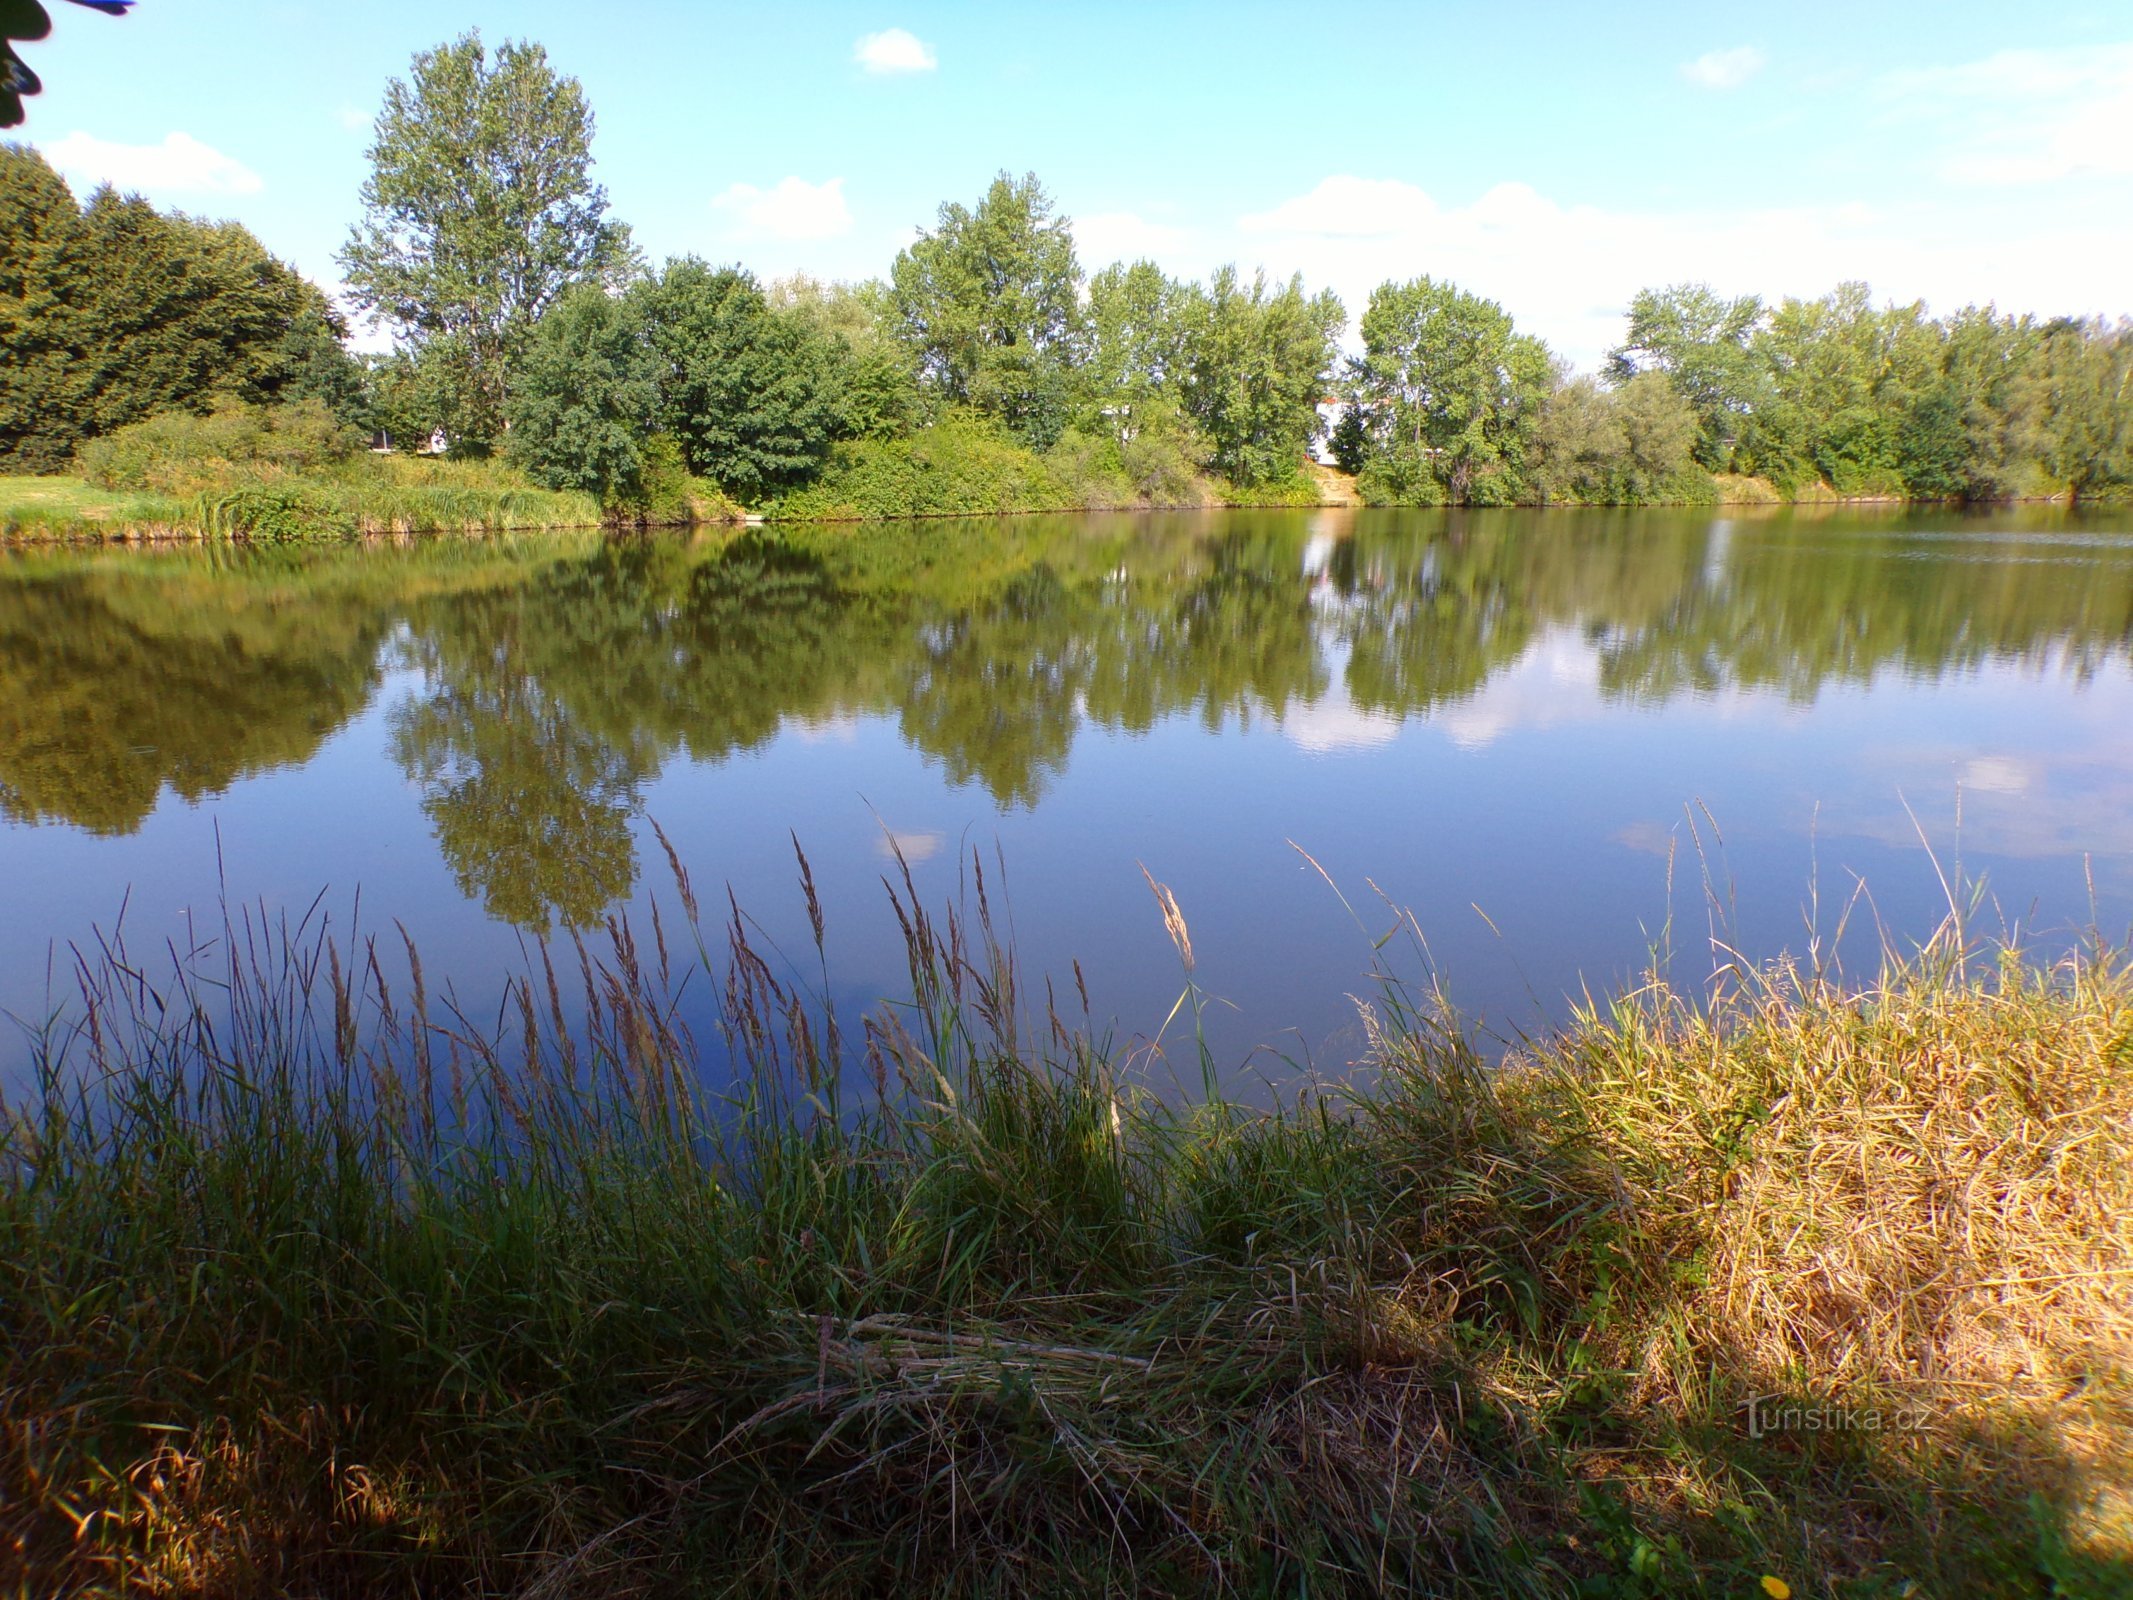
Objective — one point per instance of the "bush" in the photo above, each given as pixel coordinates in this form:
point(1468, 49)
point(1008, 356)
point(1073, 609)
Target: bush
point(1739, 489)
point(666, 495)
point(1151, 456)
point(961, 466)
point(665, 481)
point(1089, 469)
point(1166, 458)
point(1297, 487)
point(273, 513)
point(583, 399)
point(965, 465)
point(181, 453)
point(1399, 478)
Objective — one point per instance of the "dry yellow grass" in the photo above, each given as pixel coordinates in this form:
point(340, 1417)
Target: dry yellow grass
point(1896, 1223)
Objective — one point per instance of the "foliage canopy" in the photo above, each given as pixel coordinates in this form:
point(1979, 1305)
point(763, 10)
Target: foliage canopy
point(480, 213)
point(115, 311)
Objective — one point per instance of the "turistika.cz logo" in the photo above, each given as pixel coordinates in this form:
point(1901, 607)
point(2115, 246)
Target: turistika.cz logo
point(1776, 1413)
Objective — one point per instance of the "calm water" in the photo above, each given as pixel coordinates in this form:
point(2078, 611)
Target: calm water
point(1504, 721)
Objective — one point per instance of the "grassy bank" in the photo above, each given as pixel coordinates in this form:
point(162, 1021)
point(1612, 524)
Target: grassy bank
point(369, 495)
point(893, 481)
point(349, 1293)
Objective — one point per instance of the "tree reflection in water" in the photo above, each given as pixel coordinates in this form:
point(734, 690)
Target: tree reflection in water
point(552, 679)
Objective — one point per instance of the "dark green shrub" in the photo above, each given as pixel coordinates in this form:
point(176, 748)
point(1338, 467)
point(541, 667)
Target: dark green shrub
point(1400, 477)
point(583, 399)
point(665, 481)
point(1350, 440)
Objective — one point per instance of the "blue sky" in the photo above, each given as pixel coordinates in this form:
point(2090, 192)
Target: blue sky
point(1553, 157)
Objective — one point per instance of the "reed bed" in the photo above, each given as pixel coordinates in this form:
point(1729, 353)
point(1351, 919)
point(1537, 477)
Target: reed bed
point(313, 1284)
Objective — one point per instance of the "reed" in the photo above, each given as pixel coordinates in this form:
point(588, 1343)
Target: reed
point(313, 1282)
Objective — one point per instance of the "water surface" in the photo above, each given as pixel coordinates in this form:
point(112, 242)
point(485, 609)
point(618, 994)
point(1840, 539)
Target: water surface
point(1508, 722)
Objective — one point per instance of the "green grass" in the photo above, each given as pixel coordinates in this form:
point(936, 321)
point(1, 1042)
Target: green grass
point(59, 507)
point(311, 1284)
point(369, 495)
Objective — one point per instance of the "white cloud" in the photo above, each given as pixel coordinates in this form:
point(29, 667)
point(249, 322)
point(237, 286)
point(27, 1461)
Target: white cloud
point(1998, 775)
point(353, 120)
point(894, 50)
point(914, 845)
point(1335, 725)
point(1724, 69)
point(1108, 236)
point(1567, 272)
point(1556, 681)
point(1344, 207)
point(180, 165)
point(2025, 116)
point(2068, 798)
point(792, 208)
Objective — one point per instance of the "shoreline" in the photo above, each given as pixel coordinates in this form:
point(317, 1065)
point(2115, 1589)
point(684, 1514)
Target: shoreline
point(98, 531)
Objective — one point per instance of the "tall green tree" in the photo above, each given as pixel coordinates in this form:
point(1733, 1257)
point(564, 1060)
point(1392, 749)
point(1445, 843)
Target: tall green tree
point(43, 275)
point(1259, 359)
point(180, 310)
point(1700, 340)
point(1989, 372)
point(989, 302)
point(115, 311)
point(1140, 340)
point(876, 377)
point(1840, 376)
point(753, 397)
point(585, 397)
point(1632, 445)
point(1454, 391)
point(2088, 369)
point(479, 214)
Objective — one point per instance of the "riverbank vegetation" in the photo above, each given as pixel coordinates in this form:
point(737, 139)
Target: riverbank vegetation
point(988, 371)
point(315, 1283)
point(293, 471)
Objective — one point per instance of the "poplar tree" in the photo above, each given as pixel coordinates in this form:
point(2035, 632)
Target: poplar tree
point(479, 214)
point(1453, 389)
point(1258, 359)
point(990, 301)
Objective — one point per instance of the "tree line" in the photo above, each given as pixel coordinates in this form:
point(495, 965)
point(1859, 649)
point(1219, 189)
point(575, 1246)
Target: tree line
point(526, 322)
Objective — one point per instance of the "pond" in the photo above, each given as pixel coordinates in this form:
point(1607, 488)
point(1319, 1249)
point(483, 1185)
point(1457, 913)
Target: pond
point(1568, 742)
